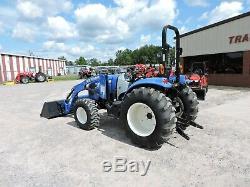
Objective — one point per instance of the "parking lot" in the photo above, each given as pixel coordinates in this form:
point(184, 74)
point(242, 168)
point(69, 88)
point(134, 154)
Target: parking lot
point(40, 152)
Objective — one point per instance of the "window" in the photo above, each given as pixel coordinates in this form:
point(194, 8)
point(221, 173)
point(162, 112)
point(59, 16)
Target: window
point(224, 63)
point(234, 63)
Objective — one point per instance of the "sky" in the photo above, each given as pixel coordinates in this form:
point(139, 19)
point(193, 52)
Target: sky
point(98, 28)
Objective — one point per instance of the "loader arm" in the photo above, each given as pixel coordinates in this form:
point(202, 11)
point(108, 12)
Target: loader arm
point(90, 88)
point(84, 90)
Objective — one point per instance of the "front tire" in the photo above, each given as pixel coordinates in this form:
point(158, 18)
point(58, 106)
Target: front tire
point(148, 116)
point(86, 114)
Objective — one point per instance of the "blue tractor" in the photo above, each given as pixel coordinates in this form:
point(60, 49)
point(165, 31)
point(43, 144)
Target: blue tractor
point(150, 109)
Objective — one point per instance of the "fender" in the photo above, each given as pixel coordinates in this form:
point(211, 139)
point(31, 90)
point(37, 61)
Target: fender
point(151, 82)
point(160, 82)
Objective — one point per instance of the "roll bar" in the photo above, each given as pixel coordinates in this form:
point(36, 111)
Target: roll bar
point(165, 51)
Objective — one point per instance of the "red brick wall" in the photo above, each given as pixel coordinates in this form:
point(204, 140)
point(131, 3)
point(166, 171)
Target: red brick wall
point(246, 63)
point(233, 79)
point(229, 80)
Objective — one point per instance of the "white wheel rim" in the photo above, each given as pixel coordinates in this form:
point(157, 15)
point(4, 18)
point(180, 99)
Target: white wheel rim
point(141, 119)
point(81, 115)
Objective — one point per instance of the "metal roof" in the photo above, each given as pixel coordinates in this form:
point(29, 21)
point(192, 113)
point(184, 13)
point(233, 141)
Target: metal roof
point(19, 55)
point(216, 24)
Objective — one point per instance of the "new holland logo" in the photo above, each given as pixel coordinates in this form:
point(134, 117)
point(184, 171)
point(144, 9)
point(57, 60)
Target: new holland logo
point(238, 39)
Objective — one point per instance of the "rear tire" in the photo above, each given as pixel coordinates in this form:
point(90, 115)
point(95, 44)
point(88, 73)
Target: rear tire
point(190, 102)
point(148, 116)
point(86, 114)
point(24, 80)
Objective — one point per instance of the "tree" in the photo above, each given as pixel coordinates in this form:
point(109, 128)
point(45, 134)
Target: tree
point(148, 54)
point(172, 54)
point(123, 57)
point(145, 54)
point(68, 63)
point(81, 61)
point(94, 62)
point(62, 58)
point(110, 62)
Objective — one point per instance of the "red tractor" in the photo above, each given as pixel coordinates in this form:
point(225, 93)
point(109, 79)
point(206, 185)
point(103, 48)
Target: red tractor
point(84, 73)
point(197, 76)
point(198, 79)
point(26, 77)
point(142, 70)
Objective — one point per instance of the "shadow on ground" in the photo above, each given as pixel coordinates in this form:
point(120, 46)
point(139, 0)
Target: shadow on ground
point(112, 128)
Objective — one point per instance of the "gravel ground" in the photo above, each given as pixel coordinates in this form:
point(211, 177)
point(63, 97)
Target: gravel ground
point(40, 152)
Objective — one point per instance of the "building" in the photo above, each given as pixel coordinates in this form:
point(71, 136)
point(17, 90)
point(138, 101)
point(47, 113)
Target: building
point(12, 64)
point(75, 68)
point(225, 47)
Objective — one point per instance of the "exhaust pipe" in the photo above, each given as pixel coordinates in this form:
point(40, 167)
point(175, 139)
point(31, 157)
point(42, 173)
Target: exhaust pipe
point(53, 109)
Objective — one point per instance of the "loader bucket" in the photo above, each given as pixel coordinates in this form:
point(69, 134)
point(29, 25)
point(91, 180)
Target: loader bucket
point(53, 109)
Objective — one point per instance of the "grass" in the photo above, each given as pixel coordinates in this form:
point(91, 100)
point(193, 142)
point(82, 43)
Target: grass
point(65, 78)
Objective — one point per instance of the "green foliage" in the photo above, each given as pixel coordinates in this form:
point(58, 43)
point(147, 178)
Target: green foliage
point(123, 57)
point(147, 54)
point(62, 58)
point(81, 61)
point(110, 62)
point(68, 63)
point(93, 62)
point(65, 77)
point(172, 54)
